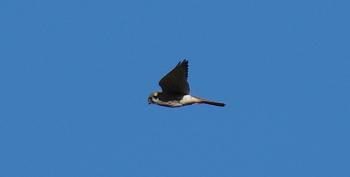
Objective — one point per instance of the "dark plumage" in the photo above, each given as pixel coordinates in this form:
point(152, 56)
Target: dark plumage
point(176, 89)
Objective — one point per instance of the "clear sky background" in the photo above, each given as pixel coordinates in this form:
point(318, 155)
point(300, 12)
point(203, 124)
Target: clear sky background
point(75, 76)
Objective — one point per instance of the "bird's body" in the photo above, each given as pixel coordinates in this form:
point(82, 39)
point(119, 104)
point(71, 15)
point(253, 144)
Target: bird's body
point(176, 90)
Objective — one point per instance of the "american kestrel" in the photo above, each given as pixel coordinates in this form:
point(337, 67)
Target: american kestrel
point(176, 90)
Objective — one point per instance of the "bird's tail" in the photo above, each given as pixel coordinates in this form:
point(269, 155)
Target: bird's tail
point(211, 102)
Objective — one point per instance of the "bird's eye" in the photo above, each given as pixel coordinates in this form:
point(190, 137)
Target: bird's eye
point(155, 96)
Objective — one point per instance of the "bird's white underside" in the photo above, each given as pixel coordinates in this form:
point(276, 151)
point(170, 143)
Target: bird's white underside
point(187, 99)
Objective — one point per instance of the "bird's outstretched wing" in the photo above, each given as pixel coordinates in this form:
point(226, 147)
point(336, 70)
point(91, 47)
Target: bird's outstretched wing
point(175, 81)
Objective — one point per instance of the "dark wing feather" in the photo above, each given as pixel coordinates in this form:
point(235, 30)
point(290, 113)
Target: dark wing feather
point(175, 81)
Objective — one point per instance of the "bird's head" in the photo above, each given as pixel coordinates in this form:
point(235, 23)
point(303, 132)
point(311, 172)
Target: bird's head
point(153, 98)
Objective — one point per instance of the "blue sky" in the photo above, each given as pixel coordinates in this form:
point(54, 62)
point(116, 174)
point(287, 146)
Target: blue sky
point(75, 76)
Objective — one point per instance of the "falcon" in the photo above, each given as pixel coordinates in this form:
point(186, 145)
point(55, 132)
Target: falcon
point(176, 90)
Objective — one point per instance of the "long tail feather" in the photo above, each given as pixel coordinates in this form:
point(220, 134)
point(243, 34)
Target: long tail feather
point(205, 101)
point(201, 100)
point(213, 103)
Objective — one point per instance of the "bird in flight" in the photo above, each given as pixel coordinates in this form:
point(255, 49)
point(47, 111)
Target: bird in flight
point(176, 90)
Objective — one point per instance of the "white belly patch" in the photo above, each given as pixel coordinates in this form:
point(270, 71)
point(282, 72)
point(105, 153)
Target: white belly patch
point(187, 99)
